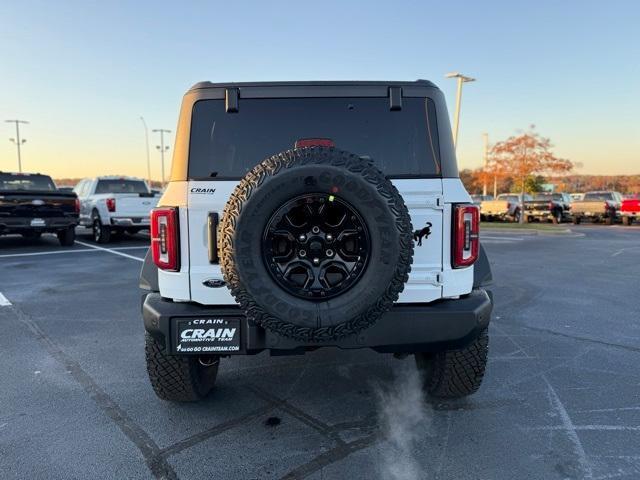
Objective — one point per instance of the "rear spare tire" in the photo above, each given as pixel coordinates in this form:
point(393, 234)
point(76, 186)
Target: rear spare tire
point(315, 244)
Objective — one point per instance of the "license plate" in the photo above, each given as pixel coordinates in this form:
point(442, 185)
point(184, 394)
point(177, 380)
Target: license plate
point(38, 222)
point(207, 335)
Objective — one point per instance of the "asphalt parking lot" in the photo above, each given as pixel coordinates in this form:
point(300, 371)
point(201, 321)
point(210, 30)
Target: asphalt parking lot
point(561, 398)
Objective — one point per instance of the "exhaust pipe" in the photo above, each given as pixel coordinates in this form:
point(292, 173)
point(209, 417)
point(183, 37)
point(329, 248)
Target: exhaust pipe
point(208, 361)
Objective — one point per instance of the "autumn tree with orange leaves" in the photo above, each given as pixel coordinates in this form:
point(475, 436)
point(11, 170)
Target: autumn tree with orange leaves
point(525, 155)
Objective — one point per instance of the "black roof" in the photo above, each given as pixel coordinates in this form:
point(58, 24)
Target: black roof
point(314, 83)
point(24, 174)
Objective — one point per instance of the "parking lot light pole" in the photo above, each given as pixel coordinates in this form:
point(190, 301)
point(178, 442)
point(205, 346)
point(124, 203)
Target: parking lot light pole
point(485, 159)
point(17, 140)
point(162, 147)
point(456, 117)
point(146, 139)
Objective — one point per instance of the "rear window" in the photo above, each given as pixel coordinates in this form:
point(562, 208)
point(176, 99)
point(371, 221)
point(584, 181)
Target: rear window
point(598, 196)
point(402, 143)
point(121, 186)
point(39, 183)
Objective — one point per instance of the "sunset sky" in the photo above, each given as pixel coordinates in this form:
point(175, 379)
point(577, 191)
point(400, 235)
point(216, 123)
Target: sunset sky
point(83, 72)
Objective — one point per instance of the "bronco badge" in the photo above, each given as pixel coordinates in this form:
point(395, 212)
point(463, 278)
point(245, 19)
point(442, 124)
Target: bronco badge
point(418, 235)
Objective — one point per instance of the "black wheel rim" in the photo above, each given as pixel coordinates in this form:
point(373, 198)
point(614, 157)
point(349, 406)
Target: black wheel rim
point(316, 246)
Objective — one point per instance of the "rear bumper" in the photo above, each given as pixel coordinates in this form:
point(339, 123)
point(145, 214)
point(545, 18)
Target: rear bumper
point(406, 328)
point(141, 222)
point(494, 214)
point(616, 214)
point(538, 213)
point(47, 224)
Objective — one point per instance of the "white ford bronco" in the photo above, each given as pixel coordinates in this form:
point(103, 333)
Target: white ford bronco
point(301, 215)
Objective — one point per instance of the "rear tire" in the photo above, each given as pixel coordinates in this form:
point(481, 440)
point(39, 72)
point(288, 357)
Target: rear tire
point(67, 237)
point(101, 234)
point(576, 220)
point(516, 216)
point(454, 373)
point(627, 221)
point(175, 378)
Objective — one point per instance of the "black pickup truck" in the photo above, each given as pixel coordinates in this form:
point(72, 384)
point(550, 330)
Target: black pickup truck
point(548, 206)
point(30, 205)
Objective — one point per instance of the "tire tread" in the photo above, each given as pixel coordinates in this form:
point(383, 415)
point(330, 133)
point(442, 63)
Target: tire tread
point(271, 167)
point(455, 373)
point(176, 378)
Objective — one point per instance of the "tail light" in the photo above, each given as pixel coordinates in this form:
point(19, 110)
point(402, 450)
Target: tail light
point(164, 238)
point(466, 241)
point(77, 205)
point(111, 204)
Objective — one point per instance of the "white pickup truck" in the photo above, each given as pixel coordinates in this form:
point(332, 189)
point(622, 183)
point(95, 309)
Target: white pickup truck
point(114, 204)
point(506, 206)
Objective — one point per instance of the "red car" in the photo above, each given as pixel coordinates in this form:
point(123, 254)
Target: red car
point(630, 210)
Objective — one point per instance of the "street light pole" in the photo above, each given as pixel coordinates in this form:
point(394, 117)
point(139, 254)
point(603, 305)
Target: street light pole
point(485, 158)
point(162, 147)
point(456, 117)
point(17, 140)
point(146, 139)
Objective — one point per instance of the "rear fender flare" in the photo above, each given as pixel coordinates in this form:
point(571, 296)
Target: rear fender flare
point(482, 270)
point(149, 274)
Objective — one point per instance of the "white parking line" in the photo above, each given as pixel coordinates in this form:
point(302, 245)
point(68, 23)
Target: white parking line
point(8, 255)
point(4, 302)
point(46, 253)
point(622, 250)
point(110, 250)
